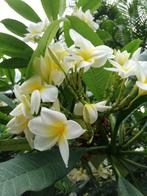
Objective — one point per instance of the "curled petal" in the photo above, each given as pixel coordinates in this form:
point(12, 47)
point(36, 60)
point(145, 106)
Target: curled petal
point(90, 113)
point(74, 130)
point(38, 127)
point(64, 150)
point(35, 102)
point(51, 117)
point(49, 93)
point(44, 143)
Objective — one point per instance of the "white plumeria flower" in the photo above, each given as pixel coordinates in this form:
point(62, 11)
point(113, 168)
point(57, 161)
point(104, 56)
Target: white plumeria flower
point(141, 74)
point(90, 111)
point(77, 175)
point(39, 92)
point(48, 69)
point(19, 123)
point(52, 128)
point(35, 31)
point(86, 17)
point(86, 54)
point(122, 64)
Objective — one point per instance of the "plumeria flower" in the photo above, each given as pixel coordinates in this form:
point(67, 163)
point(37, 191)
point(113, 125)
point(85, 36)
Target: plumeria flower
point(141, 74)
point(19, 123)
point(90, 111)
point(77, 175)
point(122, 64)
point(48, 69)
point(53, 128)
point(85, 55)
point(35, 31)
point(39, 92)
point(86, 17)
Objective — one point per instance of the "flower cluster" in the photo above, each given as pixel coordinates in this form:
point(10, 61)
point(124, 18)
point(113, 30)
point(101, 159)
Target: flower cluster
point(41, 116)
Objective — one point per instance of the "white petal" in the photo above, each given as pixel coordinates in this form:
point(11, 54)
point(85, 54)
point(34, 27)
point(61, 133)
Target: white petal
point(12, 127)
point(38, 127)
point(74, 130)
point(17, 111)
point(141, 85)
point(43, 143)
point(49, 93)
point(80, 41)
point(31, 84)
point(78, 109)
point(64, 150)
point(99, 61)
point(51, 117)
point(57, 77)
point(30, 137)
point(90, 113)
point(136, 54)
point(35, 101)
point(101, 106)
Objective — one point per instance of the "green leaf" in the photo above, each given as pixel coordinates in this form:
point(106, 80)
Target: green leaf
point(132, 46)
point(13, 63)
point(125, 188)
point(7, 100)
point(24, 10)
point(62, 7)
point(45, 40)
point(11, 46)
point(82, 28)
point(15, 26)
point(98, 80)
point(53, 7)
point(34, 172)
point(104, 35)
point(92, 5)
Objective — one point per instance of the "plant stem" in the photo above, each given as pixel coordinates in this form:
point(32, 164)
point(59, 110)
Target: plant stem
point(135, 163)
point(133, 139)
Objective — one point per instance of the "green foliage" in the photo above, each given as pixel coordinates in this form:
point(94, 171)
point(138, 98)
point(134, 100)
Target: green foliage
point(11, 46)
point(24, 10)
point(25, 169)
point(53, 8)
point(13, 63)
point(132, 46)
point(15, 26)
point(82, 28)
point(125, 188)
point(91, 5)
point(94, 77)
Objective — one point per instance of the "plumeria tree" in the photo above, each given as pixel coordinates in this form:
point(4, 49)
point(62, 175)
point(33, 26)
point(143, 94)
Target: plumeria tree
point(69, 107)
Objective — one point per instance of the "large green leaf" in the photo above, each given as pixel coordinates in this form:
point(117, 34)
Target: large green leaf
point(92, 5)
point(45, 40)
point(13, 63)
point(24, 10)
point(98, 80)
point(34, 171)
point(82, 28)
point(125, 188)
point(15, 26)
point(11, 46)
point(53, 8)
point(132, 46)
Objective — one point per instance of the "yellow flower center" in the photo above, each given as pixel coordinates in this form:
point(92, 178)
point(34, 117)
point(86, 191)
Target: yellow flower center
point(86, 54)
point(59, 129)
